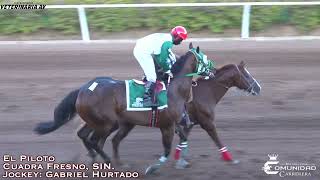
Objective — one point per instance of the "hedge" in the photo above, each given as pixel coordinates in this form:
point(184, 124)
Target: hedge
point(215, 19)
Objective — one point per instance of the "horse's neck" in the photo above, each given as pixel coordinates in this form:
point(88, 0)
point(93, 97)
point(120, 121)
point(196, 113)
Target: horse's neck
point(181, 85)
point(221, 85)
point(219, 91)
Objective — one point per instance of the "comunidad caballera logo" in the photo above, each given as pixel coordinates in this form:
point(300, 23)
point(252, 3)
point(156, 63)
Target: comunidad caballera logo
point(274, 167)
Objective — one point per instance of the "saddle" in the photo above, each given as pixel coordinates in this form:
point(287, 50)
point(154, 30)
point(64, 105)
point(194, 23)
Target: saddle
point(159, 84)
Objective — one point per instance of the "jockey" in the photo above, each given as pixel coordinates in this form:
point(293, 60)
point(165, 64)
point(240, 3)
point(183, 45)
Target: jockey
point(157, 45)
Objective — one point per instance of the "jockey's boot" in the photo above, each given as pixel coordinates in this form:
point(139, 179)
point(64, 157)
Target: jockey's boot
point(149, 95)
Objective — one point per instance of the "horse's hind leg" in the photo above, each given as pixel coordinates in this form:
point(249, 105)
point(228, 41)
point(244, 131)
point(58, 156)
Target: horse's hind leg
point(84, 134)
point(98, 139)
point(94, 141)
point(102, 140)
point(122, 133)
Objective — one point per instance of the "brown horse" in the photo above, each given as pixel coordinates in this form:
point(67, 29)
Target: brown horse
point(206, 95)
point(104, 110)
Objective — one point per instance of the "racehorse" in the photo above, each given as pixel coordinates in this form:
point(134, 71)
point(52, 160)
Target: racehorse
point(206, 95)
point(104, 109)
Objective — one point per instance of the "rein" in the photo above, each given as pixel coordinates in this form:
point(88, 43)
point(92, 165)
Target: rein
point(194, 84)
point(199, 62)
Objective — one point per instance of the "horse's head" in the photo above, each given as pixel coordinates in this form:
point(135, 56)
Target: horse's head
point(246, 81)
point(238, 76)
point(192, 62)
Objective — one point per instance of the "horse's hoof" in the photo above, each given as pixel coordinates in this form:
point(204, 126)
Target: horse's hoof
point(151, 169)
point(233, 162)
point(182, 164)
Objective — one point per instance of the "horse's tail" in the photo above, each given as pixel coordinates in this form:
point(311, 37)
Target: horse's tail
point(64, 112)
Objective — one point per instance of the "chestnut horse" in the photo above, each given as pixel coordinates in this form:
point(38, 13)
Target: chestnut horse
point(206, 95)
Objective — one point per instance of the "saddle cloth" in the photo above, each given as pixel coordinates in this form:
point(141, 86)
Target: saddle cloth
point(134, 95)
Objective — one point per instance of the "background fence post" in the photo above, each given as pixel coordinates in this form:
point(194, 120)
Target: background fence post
point(245, 21)
point(83, 24)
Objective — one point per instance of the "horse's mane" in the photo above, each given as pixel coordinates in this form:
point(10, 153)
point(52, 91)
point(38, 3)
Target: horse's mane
point(179, 64)
point(224, 68)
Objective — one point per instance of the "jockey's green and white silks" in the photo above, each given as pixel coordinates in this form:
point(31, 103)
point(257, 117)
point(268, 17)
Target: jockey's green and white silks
point(163, 59)
point(157, 44)
point(204, 65)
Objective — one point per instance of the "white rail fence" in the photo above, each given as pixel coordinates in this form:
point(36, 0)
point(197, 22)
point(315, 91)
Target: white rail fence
point(245, 27)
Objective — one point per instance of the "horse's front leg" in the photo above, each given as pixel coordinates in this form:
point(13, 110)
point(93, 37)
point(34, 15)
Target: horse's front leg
point(182, 148)
point(167, 138)
point(211, 130)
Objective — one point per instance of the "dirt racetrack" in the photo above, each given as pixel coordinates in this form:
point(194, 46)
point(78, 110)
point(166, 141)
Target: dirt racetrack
point(284, 120)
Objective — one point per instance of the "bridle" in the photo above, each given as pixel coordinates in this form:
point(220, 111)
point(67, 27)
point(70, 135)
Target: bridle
point(249, 90)
point(189, 74)
point(195, 83)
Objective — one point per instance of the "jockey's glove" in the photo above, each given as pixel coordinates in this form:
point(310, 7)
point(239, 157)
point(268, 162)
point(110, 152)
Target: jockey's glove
point(207, 75)
point(211, 75)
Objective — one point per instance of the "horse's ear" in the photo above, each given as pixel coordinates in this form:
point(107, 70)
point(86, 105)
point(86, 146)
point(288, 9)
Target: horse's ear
point(242, 63)
point(198, 49)
point(190, 45)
